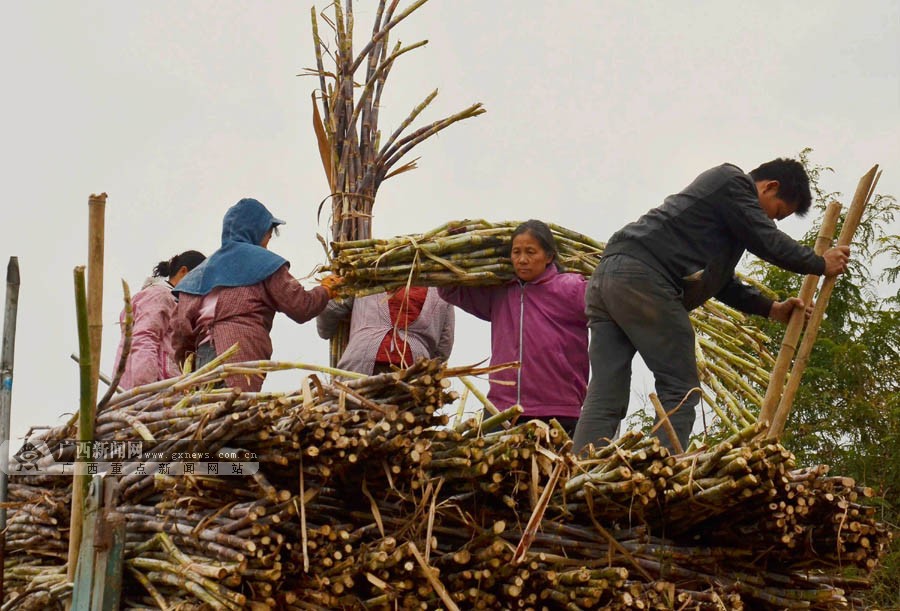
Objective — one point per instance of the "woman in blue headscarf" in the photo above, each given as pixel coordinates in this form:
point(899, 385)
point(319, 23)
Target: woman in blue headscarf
point(232, 297)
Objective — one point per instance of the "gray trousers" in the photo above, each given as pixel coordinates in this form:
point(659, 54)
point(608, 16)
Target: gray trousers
point(633, 308)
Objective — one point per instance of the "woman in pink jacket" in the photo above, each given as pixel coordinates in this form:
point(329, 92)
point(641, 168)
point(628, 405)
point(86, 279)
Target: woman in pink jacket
point(538, 319)
point(151, 357)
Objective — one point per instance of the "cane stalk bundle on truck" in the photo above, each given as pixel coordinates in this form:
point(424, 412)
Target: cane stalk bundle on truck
point(365, 499)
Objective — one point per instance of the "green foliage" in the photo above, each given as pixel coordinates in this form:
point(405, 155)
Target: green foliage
point(847, 412)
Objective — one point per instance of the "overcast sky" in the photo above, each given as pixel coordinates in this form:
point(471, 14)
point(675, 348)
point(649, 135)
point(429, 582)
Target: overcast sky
point(596, 110)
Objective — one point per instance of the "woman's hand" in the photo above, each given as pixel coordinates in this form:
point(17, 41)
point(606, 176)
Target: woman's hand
point(782, 310)
point(330, 283)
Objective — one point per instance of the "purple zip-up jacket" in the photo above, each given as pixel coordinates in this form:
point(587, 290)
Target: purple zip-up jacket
point(541, 324)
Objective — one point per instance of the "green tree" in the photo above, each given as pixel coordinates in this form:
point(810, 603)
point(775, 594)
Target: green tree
point(847, 411)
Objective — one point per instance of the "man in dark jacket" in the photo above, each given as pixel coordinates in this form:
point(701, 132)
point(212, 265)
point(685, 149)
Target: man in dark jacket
point(671, 260)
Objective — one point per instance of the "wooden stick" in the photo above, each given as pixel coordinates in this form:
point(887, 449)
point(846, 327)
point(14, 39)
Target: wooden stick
point(96, 235)
point(6, 379)
point(666, 423)
point(798, 317)
point(100, 375)
point(860, 199)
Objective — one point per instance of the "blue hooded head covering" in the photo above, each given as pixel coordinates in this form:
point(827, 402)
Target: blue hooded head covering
point(240, 261)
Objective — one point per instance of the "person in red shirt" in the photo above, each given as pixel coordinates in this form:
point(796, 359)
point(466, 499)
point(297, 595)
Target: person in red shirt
point(391, 329)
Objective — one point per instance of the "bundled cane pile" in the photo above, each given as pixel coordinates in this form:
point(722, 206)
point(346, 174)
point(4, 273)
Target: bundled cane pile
point(467, 253)
point(365, 499)
point(731, 357)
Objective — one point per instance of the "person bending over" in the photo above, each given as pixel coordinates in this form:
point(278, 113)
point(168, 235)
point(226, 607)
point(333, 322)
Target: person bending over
point(655, 270)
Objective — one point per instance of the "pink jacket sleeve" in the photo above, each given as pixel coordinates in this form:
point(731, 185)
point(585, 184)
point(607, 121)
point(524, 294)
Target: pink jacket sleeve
point(149, 350)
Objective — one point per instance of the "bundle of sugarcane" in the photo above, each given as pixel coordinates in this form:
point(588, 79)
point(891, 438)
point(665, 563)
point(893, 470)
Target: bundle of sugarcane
point(324, 430)
point(36, 545)
point(475, 551)
point(477, 516)
point(467, 252)
point(732, 360)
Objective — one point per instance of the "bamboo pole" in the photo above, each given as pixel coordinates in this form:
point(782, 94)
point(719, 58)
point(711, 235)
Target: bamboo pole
point(6, 379)
point(100, 375)
point(89, 300)
point(860, 199)
point(96, 237)
point(798, 317)
point(85, 419)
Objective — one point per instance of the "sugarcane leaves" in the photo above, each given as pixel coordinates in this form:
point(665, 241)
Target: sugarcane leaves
point(324, 148)
point(373, 505)
point(406, 167)
point(425, 133)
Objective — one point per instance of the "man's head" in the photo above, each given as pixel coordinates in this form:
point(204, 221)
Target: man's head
point(783, 188)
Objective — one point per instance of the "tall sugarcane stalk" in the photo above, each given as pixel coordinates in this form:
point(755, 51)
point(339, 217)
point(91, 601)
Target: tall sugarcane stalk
point(864, 191)
point(355, 160)
point(86, 416)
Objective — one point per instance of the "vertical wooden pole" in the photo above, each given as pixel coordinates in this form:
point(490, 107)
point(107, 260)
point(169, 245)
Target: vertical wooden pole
point(83, 579)
point(96, 239)
point(6, 379)
point(90, 331)
point(798, 317)
point(860, 199)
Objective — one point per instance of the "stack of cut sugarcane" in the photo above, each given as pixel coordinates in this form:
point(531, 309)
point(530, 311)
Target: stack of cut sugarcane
point(364, 499)
point(732, 360)
point(468, 252)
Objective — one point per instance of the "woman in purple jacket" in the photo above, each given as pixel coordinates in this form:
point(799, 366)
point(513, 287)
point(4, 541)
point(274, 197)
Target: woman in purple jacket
point(538, 319)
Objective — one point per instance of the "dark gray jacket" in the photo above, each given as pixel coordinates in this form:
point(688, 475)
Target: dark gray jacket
point(697, 237)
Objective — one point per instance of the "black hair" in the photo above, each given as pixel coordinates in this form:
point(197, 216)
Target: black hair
point(793, 182)
point(541, 233)
point(189, 259)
